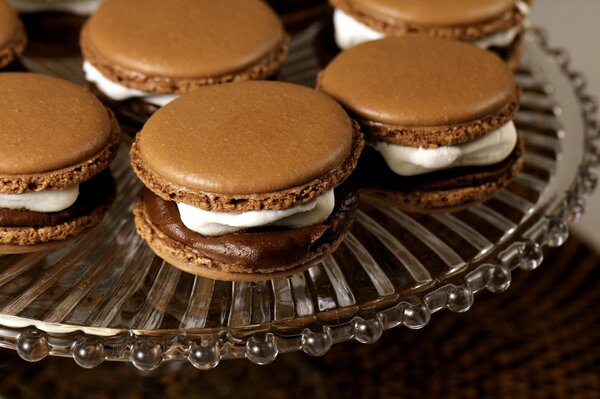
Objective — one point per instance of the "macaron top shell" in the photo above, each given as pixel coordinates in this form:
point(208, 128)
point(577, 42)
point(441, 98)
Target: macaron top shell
point(10, 26)
point(246, 138)
point(47, 124)
point(432, 12)
point(183, 38)
point(417, 81)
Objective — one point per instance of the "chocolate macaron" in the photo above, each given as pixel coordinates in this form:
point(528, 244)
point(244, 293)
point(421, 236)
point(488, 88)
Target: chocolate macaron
point(53, 25)
point(497, 25)
point(243, 180)
point(57, 143)
point(12, 37)
point(437, 115)
point(141, 54)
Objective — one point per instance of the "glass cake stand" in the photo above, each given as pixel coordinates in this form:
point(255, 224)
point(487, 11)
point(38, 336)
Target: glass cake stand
point(106, 296)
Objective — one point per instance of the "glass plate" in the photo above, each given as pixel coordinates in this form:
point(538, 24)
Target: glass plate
point(106, 296)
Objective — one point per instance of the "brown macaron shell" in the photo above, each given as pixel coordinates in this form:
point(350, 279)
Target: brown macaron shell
point(55, 134)
point(457, 19)
point(12, 35)
point(291, 145)
point(421, 91)
point(147, 46)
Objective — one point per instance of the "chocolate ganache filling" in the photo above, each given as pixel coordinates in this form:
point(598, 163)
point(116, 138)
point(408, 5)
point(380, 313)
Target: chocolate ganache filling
point(265, 246)
point(92, 194)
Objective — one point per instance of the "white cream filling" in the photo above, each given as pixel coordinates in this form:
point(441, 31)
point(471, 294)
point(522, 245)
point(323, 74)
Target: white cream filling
point(500, 39)
point(79, 7)
point(350, 32)
point(42, 201)
point(492, 148)
point(218, 223)
point(118, 92)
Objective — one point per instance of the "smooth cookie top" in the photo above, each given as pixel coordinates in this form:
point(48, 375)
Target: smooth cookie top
point(48, 124)
point(432, 12)
point(246, 138)
point(10, 26)
point(183, 38)
point(417, 81)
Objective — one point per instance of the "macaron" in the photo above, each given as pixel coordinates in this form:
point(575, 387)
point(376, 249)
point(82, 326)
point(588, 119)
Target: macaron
point(12, 37)
point(491, 24)
point(53, 25)
point(297, 14)
point(57, 143)
point(437, 115)
point(243, 181)
point(142, 54)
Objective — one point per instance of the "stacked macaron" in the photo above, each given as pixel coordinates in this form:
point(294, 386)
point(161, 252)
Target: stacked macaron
point(57, 142)
point(242, 180)
point(491, 24)
point(141, 55)
point(12, 36)
point(437, 114)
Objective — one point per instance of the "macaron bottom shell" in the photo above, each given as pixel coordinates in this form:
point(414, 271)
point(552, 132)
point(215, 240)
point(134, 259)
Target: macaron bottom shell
point(441, 191)
point(23, 239)
point(256, 254)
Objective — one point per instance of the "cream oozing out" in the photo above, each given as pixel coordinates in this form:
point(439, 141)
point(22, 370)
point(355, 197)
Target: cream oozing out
point(210, 223)
point(492, 148)
point(79, 7)
point(350, 32)
point(118, 92)
point(41, 201)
